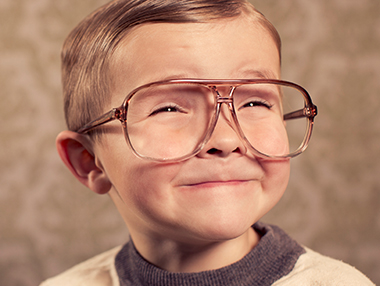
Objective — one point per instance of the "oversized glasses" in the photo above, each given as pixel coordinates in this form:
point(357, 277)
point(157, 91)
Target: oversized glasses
point(170, 121)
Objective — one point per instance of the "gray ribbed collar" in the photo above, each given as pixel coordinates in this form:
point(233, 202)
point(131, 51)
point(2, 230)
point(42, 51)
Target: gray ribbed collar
point(273, 257)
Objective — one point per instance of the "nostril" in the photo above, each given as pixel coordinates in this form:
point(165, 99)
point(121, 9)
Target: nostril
point(214, 151)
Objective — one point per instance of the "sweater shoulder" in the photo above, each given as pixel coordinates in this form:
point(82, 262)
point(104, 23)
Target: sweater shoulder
point(96, 271)
point(313, 268)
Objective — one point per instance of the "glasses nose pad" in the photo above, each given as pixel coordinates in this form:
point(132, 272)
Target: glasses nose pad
point(225, 137)
point(227, 115)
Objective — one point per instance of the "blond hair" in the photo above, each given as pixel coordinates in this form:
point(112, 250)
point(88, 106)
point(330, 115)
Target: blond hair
point(89, 47)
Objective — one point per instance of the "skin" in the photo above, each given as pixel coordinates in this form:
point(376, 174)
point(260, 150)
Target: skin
point(195, 215)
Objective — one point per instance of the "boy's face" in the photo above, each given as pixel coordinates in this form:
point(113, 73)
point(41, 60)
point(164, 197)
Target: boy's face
point(222, 191)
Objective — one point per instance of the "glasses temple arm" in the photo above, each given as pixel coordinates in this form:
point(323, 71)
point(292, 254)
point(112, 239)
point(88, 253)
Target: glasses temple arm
point(308, 111)
point(107, 117)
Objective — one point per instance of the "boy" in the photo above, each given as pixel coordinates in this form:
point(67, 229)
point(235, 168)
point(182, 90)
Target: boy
point(203, 151)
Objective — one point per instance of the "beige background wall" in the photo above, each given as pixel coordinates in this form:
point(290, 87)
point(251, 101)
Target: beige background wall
point(48, 222)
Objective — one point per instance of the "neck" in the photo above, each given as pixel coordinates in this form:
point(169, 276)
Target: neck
point(175, 256)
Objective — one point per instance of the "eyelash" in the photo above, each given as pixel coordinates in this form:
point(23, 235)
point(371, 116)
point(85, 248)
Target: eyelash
point(176, 108)
point(257, 103)
point(169, 108)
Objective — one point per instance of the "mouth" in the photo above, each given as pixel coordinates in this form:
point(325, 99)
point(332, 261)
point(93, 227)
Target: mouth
point(221, 174)
point(215, 184)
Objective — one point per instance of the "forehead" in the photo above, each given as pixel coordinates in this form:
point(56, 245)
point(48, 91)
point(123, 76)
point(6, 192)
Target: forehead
point(221, 49)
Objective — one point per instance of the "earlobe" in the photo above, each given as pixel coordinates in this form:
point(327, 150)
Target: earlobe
point(76, 152)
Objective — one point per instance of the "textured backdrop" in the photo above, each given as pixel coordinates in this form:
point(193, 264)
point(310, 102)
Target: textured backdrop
point(49, 222)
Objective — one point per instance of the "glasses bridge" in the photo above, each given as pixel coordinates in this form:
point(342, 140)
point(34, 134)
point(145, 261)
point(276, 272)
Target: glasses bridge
point(224, 99)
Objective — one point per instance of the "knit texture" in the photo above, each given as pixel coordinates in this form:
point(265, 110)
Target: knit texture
point(273, 257)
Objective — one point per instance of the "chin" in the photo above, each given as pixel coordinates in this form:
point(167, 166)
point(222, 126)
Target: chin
point(225, 227)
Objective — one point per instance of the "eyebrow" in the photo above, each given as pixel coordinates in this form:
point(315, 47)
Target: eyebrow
point(244, 74)
point(264, 74)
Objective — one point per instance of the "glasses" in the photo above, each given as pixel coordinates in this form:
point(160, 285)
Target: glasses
point(171, 121)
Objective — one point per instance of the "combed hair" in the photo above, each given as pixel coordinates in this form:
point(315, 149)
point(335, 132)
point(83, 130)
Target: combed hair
point(88, 49)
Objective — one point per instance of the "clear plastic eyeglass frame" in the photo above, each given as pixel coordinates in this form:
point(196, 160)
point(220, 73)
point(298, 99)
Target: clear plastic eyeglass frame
point(309, 111)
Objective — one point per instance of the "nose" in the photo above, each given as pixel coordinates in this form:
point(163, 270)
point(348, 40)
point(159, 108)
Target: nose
point(225, 139)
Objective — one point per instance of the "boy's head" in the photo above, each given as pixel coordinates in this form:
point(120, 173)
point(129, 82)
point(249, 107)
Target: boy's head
point(218, 192)
point(90, 47)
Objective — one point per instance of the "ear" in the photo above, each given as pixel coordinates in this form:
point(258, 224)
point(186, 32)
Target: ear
point(76, 152)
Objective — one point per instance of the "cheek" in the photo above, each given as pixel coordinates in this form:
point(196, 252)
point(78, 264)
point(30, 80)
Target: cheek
point(143, 184)
point(145, 187)
point(276, 178)
point(267, 136)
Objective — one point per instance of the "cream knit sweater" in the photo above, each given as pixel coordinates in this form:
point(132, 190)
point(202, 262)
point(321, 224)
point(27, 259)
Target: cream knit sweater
point(308, 269)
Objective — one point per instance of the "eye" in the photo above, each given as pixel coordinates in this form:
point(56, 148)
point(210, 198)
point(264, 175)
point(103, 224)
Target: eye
point(257, 103)
point(167, 109)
